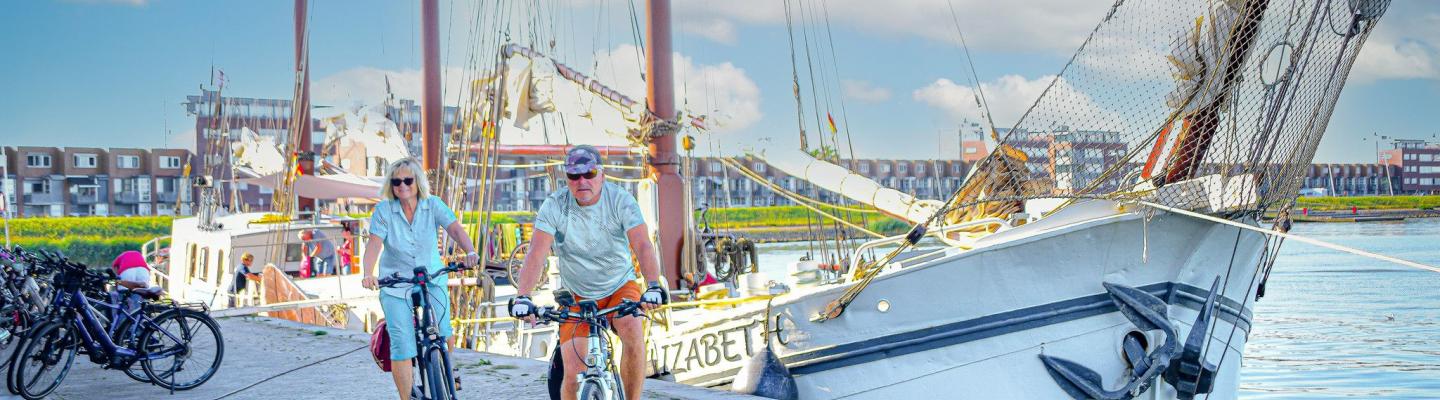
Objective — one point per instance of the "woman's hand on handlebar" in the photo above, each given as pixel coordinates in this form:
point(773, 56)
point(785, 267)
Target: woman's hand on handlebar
point(370, 282)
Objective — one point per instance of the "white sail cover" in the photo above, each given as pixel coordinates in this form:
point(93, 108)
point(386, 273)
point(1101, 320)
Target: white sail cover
point(550, 103)
point(258, 153)
point(853, 186)
point(368, 126)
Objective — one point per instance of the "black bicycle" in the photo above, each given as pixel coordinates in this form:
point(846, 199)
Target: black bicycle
point(601, 379)
point(178, 348)
point(434, 380)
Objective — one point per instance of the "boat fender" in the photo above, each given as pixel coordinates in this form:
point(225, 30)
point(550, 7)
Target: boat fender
point(765, 376)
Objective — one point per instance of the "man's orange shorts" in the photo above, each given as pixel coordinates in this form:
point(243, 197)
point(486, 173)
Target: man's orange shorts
point(571, 330)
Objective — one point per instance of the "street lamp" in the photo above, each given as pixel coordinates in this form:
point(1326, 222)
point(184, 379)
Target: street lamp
point(1381, 159)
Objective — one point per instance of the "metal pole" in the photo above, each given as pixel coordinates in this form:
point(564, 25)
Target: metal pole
point(664, 159)
point(430, 107)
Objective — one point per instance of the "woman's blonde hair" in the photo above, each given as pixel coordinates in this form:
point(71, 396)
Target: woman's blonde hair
point(422, 185)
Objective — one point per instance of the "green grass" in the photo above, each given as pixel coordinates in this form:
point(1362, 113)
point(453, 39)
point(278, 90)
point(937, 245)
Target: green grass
point(1369, 202)
point(64, 227)
point(780, 216)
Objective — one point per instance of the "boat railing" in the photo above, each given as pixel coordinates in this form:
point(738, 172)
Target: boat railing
point(150, 250)
point(939, 232)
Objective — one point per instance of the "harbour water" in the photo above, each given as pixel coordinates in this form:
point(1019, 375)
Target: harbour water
point(1331, 324)
point(1335, 325)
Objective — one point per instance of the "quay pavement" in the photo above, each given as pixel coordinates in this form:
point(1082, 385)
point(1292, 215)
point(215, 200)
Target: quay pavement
point(263, 349)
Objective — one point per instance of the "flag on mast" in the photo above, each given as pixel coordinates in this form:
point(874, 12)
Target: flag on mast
point(832, 121)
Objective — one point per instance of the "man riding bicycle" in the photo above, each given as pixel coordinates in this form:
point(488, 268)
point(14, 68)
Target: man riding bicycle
point(594, 227)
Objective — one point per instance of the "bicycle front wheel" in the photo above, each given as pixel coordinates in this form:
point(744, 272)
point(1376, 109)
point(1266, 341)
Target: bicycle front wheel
point(182, 349)
point(437, 374)
point(591, 390)
point(45, 360)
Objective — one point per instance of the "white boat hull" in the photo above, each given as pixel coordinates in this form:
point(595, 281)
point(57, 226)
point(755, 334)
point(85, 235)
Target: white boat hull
point(973, 324)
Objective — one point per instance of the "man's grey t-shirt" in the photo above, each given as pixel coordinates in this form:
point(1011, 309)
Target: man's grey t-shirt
point(327, 249)
point(590, 241)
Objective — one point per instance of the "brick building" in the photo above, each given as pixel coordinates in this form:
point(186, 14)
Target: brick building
point(86, 181)
point(1419, 164)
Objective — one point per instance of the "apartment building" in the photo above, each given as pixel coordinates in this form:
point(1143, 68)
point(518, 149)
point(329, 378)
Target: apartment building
point(87, 181)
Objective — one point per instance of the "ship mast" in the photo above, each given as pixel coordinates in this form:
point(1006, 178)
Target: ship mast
point(430, 108)
point(305, 147)
point(664, 159)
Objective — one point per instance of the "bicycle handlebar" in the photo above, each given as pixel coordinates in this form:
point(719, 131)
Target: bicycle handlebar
point(561, 315)
point(421, 275)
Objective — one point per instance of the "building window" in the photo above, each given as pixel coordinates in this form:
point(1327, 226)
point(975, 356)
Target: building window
point(884, 168)
point(864, 168)
point(903, 168)
point(84, 160)
point(760, 167)
point(39, 187)
point(127, 162)
point(37, 161)
point(920, 168)
point(971, 150)
point(955, 168)
point(716, 167)
point(169, 162)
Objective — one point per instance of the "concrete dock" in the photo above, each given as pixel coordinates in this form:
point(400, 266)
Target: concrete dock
point(262, 356)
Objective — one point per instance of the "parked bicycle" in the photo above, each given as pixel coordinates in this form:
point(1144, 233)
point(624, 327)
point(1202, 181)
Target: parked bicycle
point(600, 380)
point(433, 376)
point(177, 347)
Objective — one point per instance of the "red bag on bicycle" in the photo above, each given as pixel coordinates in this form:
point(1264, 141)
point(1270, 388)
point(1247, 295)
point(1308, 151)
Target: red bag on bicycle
point(380, 346)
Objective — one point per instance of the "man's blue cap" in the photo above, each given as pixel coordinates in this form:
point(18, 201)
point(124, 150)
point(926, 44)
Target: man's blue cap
point(582, 159)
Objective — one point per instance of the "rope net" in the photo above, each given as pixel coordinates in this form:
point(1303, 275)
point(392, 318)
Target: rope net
point(1215, 106)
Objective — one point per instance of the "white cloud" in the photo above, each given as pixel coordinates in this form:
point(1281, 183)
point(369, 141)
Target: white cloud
point(723, 91)
point(366, 85)
point(1009, 97)
point(864, 91)
point(1404, 46)
point(716, 29)
point(988, 24)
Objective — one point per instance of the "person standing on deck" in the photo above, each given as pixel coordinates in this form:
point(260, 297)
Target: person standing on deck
point(320, 251)
point(243, 276)
point(402, 237)
point(346, 250)
point(594, 227)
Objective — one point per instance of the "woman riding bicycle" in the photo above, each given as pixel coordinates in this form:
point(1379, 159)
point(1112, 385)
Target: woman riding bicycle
point(402, 237)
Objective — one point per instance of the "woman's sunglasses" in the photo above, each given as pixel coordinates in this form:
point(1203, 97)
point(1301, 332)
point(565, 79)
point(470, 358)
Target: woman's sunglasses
point(576, 177)
point(398, 181)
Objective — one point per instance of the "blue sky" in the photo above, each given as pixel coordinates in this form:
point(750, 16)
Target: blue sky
point(114, 73)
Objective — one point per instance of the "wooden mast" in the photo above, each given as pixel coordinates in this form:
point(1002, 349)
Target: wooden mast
point(306, 147)
point(664, 159)
point(430, 107)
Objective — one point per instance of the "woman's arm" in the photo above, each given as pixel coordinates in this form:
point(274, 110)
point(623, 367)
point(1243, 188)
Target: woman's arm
point(457, 233)
point(372, 255)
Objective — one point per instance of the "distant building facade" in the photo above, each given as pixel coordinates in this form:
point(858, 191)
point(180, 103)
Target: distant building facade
point(1419, 164)
point(87, 181)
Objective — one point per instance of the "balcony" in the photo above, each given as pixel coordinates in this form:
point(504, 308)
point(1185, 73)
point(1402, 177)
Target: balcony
point(44, 198)
point(128, 198)
point(167, 197)
point(86, 199)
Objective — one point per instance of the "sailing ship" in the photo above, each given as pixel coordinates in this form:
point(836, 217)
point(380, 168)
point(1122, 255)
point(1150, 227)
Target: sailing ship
point(1113, 246)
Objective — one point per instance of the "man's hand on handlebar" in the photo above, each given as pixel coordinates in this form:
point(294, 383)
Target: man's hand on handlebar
point(654, 297)
point(521, 307)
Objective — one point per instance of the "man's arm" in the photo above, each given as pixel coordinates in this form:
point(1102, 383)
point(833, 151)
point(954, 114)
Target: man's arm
point(534, 262)
point(644, 251)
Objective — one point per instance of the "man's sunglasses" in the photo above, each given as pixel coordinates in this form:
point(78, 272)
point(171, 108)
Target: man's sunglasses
point(576, 177)
point(398, 181)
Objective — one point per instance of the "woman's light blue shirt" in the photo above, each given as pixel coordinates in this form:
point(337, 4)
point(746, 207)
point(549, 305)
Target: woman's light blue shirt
point(409, 244)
